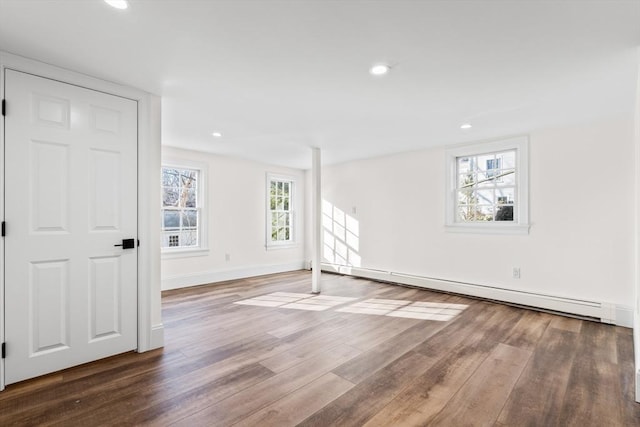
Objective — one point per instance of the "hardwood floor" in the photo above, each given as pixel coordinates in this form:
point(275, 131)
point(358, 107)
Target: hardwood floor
point(236, 364)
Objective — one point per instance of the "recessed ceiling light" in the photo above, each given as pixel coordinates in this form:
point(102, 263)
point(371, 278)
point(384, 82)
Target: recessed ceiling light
point(118, 4)
point(465, 126)
point(379, 69)
point(216, 135)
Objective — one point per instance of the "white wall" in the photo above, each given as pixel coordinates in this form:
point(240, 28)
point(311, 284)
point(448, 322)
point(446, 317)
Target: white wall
point(149, 156)
point(236, 191)
point(581, 209)
point(636, 325)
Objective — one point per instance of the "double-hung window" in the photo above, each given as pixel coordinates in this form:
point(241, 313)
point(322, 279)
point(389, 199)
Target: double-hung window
point(182, 218)
point(280, 210)
point(487, 187)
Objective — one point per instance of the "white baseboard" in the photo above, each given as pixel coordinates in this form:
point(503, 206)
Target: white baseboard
point(606, 312)
point(624, 316)
point(201, 278)
point(636, 352)
point(157, 336)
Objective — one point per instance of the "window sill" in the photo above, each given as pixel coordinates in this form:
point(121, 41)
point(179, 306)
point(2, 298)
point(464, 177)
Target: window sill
point(489, 228)
point(184, 253)
point(272, 246)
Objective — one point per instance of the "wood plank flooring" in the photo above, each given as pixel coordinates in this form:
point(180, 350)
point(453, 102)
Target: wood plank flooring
point(229, 364)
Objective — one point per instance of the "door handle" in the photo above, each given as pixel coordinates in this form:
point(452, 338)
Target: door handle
point(127, 244)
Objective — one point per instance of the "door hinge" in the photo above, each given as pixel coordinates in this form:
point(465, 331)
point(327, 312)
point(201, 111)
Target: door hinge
point(138, 242)
point(4, 108)
point(4, 350)
point(3, 228)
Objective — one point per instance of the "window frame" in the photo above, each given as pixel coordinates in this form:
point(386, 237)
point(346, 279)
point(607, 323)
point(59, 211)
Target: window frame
point(292, 242)
point(202, 248)
point(521, 206)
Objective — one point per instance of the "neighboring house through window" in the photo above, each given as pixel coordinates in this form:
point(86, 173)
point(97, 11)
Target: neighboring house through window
point(280, 210)
point(487, 188)
point(182, 208)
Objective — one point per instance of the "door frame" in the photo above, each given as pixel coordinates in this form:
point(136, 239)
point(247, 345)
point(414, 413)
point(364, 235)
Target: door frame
point(150, 328)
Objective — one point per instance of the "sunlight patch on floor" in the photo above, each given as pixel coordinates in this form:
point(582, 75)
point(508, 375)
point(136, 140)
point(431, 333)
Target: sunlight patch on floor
point(423, 310)
point(296, 301)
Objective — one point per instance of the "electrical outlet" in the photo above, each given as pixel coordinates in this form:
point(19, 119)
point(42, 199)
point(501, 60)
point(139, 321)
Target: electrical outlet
point(516, 272)
point(227, 257)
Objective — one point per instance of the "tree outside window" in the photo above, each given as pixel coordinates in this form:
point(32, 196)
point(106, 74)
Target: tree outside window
point(486, 187)
point(280, 210)
point(180, 210)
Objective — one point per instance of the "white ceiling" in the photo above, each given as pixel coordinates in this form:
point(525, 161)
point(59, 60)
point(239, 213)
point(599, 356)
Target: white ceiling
point(276, 77)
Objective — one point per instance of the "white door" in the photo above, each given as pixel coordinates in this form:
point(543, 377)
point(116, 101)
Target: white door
point(70, 197)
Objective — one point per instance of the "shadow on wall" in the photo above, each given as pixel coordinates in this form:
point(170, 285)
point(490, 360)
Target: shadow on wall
point(341, 238)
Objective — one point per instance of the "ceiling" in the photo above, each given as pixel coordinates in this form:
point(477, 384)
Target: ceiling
point(277, 77)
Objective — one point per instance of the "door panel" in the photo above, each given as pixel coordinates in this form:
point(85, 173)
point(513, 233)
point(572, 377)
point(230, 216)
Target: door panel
point(104, 297)
point(48, 306)
point(70, 196)
point(49, 187)
point(105, 188)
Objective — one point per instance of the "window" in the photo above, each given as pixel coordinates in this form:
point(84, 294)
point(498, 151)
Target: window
point(487, 187)
point(280, 210)
point(182, 208)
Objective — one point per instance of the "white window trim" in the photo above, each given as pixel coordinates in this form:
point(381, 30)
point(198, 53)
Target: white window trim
point(521, 226)
point(202, 249)
point(269, 244)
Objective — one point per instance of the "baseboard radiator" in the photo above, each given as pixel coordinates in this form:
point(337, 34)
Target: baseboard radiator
point(593, 310)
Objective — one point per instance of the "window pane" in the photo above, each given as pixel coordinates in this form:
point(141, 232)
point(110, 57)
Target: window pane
point(173, 240)
point(465, 197)
point(504, 213)
point(280, 188)
point(274, 219)
point(505, 196)
point(189, 219)
point(485, 162)
point(281, 233)
point(484, 197)
point(484, 213)
point(190, 199)
point(486, 179)
point(466, 180)
point(280, 204)
point(189, 238)
point(170, 196)
point(507, 177)
point(464, 165)
point(466, 213)
point(171, 219)
point(187, 178)
point(508, 159)
point(286, 204)
point(286, 189)
point(287, 233)
point(493, 166)
point(170, 177)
